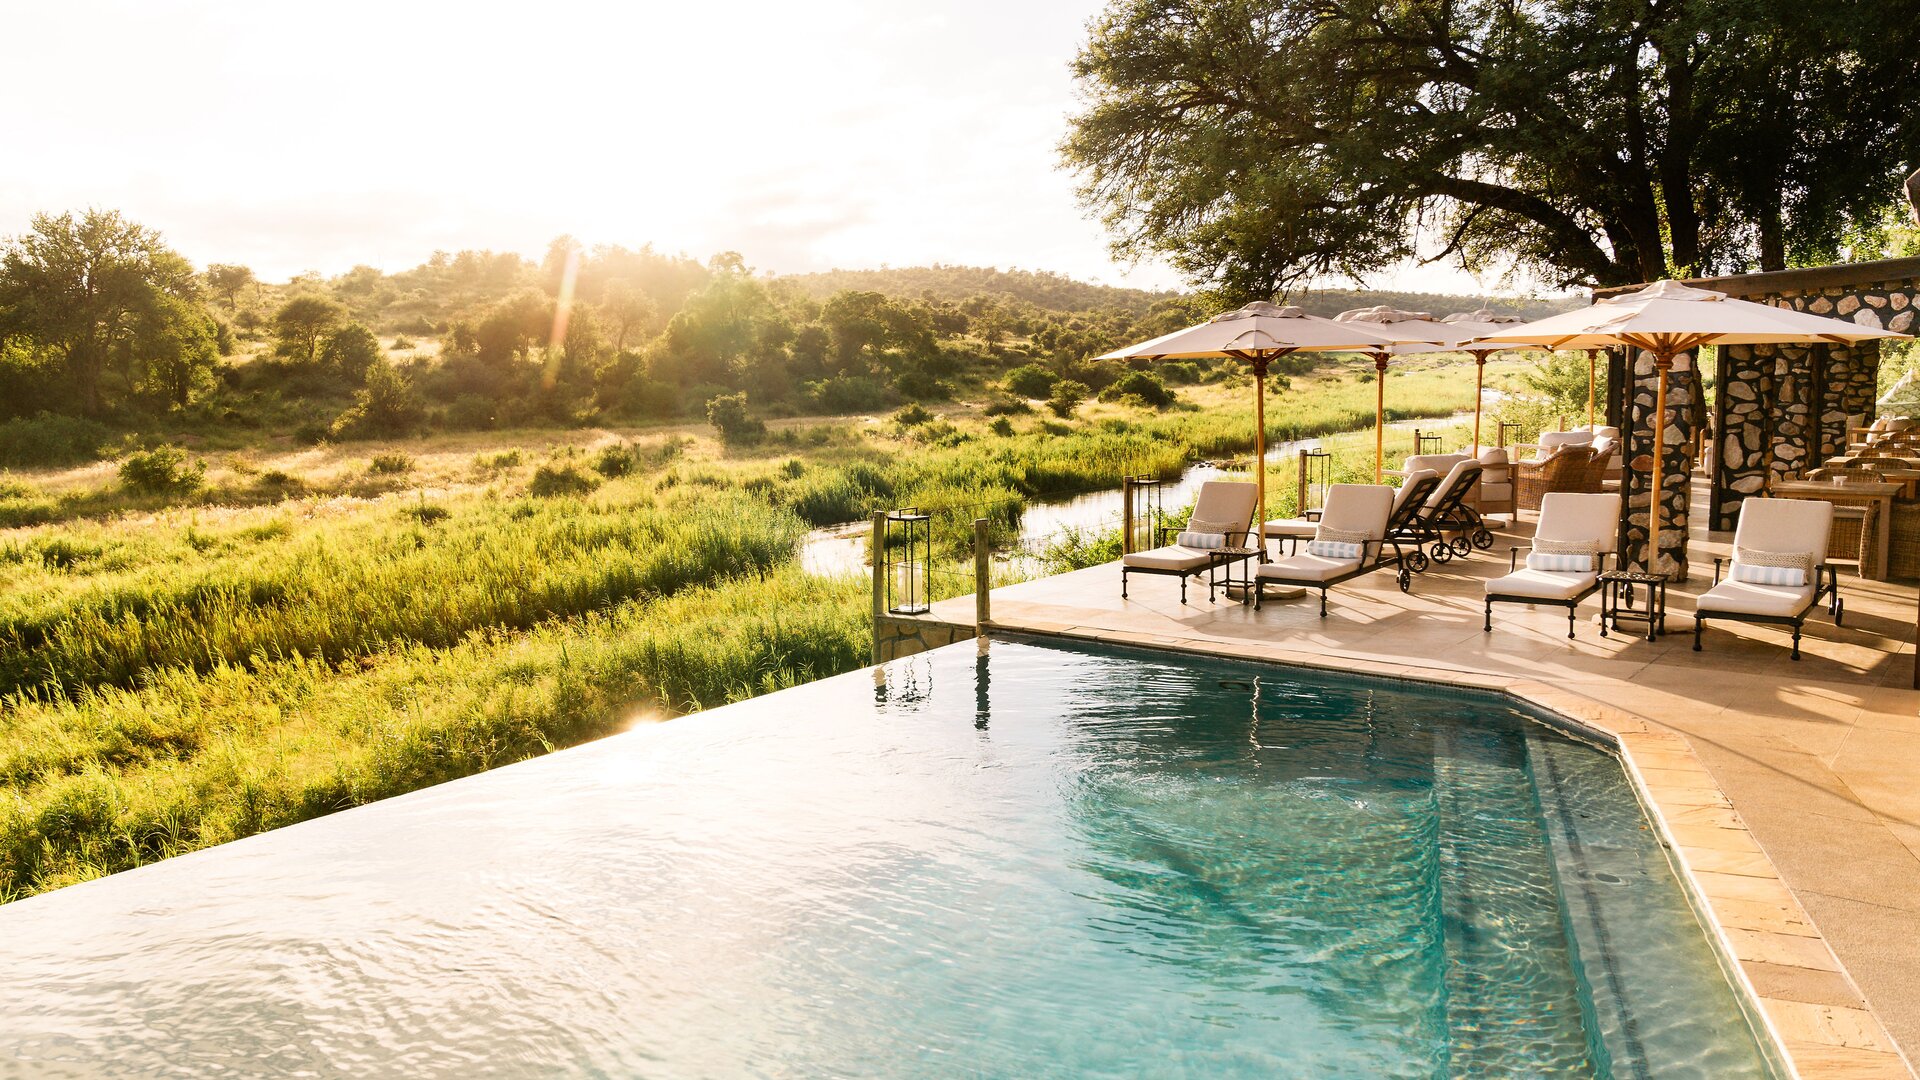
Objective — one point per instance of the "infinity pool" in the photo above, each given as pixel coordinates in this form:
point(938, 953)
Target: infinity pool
point(1017, 861)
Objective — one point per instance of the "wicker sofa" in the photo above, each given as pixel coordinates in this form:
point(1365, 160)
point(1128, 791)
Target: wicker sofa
point(1571, 468)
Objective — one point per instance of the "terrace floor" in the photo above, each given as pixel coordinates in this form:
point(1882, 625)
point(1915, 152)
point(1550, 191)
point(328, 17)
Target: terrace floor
point(1764, 772)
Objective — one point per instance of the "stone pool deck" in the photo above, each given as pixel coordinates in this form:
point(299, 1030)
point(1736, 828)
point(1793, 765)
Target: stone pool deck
point(1790, 792)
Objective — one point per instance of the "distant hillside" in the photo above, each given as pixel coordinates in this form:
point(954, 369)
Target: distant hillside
point(1057, 292)
point(1042, 289)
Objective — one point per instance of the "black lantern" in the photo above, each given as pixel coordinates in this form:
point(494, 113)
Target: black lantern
point(1142, 512)
point(909, 554)
point(1316, 479)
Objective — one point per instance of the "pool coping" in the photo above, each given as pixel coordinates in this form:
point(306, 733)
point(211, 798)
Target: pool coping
point(1754, 922)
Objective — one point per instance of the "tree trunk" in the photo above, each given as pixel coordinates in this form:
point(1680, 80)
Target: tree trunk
point(1773, 241)
point(1676, 182)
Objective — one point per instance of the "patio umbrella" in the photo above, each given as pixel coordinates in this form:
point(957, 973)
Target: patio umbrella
point(1259, 333)
point(1904, 394)
point(1415, 328)
point(1666, 319)
point(1478, 324)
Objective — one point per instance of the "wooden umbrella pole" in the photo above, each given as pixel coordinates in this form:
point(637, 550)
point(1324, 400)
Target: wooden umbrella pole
point(1260, 452)
point(1379, 413)
point(1591, 364)
point(1479, 380)
point(1661, 363)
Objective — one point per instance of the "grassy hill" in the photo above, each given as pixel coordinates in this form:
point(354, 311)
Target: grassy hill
point(1056, 292)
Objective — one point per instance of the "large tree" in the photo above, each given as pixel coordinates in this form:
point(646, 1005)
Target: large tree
point(303, 322)
point(87, 288)
point(1259, 143)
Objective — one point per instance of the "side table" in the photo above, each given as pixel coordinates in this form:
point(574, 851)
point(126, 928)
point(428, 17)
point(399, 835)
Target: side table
point(1617, 600)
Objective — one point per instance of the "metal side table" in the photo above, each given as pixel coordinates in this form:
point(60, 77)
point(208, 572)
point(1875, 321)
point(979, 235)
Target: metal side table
point(1619, 591)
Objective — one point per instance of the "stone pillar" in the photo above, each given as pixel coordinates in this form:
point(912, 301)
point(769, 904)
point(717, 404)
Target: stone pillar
point(1676, 467)
point(1744, 407)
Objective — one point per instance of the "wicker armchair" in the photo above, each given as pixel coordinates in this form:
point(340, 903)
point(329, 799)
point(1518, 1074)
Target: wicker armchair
point(1573, 468)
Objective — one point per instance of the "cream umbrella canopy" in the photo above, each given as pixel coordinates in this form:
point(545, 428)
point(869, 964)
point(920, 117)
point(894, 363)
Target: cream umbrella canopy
point(1467, 326)
point(1415, 329)
point(1259, 333)
point(1666, 319)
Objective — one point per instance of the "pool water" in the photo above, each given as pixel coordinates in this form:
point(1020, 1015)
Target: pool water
point(1014, 860)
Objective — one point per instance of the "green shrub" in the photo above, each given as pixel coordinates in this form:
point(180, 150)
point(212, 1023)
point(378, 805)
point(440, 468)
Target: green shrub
point(163, 470)
point(550, 481)
point(495, 462)
point(48, 439)
point(912, 415)
point(614, 461)
point(728, 415)
point(1007, 406)
point(1031, 381)
point(1140, 386)
point(1066, 397)
point(847, 394)
point(401, 342)
point(391, 463)
point(1001, 426)
point(427, 513)
point(386, 406)
point(1180, 372)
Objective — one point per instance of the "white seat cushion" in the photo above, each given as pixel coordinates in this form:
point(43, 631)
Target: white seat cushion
point(1745, 598)
point(1545, 584)
point(1173, 557)
point(1306, 568)
point(1291, 528)
point(1495, 493)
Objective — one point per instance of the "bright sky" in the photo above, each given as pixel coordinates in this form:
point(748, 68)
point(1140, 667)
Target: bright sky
point(849, 133)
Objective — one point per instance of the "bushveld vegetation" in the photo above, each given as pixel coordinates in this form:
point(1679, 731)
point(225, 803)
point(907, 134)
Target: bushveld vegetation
point(341, 567)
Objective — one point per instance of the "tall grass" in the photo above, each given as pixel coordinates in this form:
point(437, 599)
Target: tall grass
point(101, 606)
point(117, 777)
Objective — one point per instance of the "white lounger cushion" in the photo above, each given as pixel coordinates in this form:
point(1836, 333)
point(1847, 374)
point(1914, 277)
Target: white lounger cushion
point(1745, 598)
point(1414, 476)
point(1358, 508)
point(1785, 525)
point(1454, 474)
point(1306, 568)
point(1545, 584)
point(1580, 517)
point(1173, 557)
point(1291, 529)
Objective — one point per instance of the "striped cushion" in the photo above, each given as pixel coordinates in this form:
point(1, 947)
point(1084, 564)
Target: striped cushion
point(1335, 549)
point(1578, 564)
point(1757, 567)
point(1202, 540)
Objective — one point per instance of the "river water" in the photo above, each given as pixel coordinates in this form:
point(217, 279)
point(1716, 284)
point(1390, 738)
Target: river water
point(842, 549)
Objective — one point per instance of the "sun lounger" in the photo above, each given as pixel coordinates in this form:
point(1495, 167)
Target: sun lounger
point(1569, 549)
point(1352, 541)
point(1779, 571)
point(1447, 511)
point(1409, 501)
point(1222, 518)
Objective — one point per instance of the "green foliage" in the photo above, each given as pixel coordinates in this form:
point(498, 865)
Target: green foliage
point(99, 295)
point(1559, 383)
point(303, 323)
point(384, 408)
point(390, 463)
point(351, 351)
point(164, 470)
point(728, 415)
point(1030, 381)
point(1325, 143)
point(1140, 387)
point(911, 415)
point(556, 481)
point(48, 439)
point(1001, 427)
point(615, 460)
point(1066, 396)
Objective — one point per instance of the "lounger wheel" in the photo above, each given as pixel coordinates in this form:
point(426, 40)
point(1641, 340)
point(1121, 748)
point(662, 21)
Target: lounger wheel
point(1417, 561)
point(1839, 610)
point(1483, 538)
point(1462, 546)
point(1405, 578)
point(1441, 551)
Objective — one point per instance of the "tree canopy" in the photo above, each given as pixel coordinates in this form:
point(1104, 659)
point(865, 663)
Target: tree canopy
point(1261, 143)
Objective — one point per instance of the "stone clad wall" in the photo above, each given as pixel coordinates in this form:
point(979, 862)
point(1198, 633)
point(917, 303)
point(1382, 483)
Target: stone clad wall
point(1783, 409)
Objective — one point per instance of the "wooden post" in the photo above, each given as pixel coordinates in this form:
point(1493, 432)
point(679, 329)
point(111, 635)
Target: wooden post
point(1126, 515)
point(982, 575)
point(1379, 414)
point(1592, 361)
point(1479, 381)
point(1260, 444)
point(879, 553)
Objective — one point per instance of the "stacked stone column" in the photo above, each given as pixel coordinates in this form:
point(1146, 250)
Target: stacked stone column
point(1676, 467)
